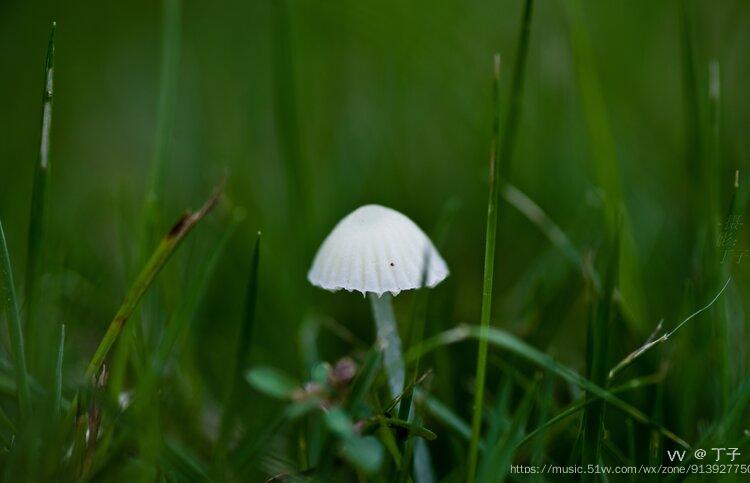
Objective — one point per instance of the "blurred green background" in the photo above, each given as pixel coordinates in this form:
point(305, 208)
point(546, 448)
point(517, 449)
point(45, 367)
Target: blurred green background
point(315, 108)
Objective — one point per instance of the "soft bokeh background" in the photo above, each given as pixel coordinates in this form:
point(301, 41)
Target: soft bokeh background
point(315, 108)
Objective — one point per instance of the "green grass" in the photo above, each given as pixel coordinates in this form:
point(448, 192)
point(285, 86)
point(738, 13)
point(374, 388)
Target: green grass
point(35, 240)
point(140, 286)
point(221, 363)
point(598, 361)
point(489, 272)
point(14, 328)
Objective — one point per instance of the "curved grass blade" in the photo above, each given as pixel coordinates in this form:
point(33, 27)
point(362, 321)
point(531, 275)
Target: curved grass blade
point(511, 343)
point(578, 406)
point(445, 415)
point(158, 259)
point(409, 428)
point(534, 213)
point(14, 327)
point(520, 201)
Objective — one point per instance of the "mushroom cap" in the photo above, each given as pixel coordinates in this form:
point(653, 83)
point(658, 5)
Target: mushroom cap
point(376, 249)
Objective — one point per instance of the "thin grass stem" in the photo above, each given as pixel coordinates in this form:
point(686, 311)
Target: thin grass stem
point(489, 273)
point(57, 404)
point(14, 328)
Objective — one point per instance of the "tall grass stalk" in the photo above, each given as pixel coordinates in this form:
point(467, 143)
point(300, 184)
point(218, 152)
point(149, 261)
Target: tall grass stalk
point(14, 328)
point(38, 200)
point(597, 360)
point(489, 273)
point(499, 164)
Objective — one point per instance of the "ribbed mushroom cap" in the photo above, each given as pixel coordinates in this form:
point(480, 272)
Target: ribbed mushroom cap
point(376, 249)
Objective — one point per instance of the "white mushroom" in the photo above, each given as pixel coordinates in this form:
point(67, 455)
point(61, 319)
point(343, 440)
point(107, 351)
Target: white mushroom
point(378, 251)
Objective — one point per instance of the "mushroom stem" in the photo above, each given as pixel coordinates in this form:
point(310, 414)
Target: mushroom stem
point(389, 341)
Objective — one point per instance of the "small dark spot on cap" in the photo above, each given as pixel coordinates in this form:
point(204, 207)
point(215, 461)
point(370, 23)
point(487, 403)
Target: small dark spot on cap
point(393, 264)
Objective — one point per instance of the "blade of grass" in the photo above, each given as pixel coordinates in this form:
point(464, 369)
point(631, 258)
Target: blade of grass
point(597, 356)
point(158, 259)
point(604, 154)
point(138, 335)
point(365, 378)
point(169, 74)
point(516, 91)
point(693, 139)
point(249, 448)
point(59, 373)
point(408, 389)
point(714, 165)
point(195, 293)
point(496, 461)
point(576, 407)
point(144, 404)
point(410, 428)
point(511, 343)
point(38, 199)
point(189, 465)
point(499, 416)
point(732, 420)
point(500, 163)
point(489, 272)
point(526, 206)
point(14, 328)
point(545, 404)
point(534, 213)
point(287, 120)
point(445, 415)
point(240, 360)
